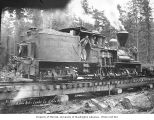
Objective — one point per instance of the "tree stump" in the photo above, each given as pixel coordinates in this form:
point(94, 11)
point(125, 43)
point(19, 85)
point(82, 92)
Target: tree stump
point(140, 101)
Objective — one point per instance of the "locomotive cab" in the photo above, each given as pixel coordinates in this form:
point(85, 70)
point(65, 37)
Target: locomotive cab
point(25, 50)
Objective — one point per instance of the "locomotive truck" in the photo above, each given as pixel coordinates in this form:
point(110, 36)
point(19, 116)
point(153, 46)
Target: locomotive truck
point(71, 61)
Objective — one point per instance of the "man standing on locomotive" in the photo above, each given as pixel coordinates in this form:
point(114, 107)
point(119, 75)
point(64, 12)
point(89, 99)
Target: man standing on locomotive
point(84, 42)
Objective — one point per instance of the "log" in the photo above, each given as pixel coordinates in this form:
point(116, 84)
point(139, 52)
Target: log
point(140, 101)
point(101, 106)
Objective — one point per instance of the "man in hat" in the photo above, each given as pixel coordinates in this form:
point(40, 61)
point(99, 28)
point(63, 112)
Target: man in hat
point(83, 43)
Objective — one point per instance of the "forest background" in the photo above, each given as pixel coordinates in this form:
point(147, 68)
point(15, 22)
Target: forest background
point(136, 18)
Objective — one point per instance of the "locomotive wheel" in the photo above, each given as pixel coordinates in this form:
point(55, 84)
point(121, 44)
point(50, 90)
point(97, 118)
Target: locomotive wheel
point(44, 101)
point(39, 101)
point(28, 102)
point(18, 102)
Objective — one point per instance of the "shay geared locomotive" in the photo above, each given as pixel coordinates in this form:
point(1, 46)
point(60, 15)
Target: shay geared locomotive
point(71, 61)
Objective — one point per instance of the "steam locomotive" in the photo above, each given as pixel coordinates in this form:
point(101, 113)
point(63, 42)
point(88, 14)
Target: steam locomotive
point(57, 55)
point(71, 61)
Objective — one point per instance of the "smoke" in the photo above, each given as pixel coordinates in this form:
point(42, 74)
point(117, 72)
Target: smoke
point(75, 9)
point(63, 18)
point(108, 6)
point(110, 10)
point(56, 19)
point(46, 19)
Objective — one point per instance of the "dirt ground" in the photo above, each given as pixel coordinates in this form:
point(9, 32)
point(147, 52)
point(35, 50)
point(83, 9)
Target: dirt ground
point(85, 104)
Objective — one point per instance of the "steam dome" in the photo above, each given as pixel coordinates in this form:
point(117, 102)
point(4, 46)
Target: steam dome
point(113, 43)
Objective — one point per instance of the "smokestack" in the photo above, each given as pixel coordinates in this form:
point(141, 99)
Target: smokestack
point(122, 38)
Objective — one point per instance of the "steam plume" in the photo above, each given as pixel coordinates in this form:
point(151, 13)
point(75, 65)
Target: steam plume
point(108, 6)
point(76, 10)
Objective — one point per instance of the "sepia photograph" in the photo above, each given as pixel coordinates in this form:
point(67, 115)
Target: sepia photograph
point(77, 57)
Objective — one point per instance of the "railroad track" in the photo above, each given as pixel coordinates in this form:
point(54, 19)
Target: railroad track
point(64, 86)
